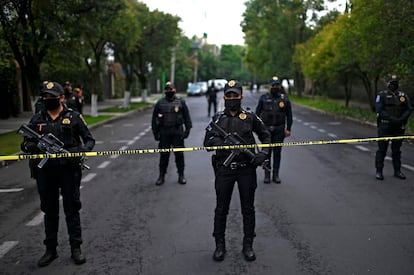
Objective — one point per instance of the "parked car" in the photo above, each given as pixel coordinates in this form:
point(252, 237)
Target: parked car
point(218, 82)
point(204, 86)
point(194, 89)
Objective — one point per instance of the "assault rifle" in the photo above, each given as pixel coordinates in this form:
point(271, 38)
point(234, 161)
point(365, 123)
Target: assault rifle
point(233, 139)
point(48, 144)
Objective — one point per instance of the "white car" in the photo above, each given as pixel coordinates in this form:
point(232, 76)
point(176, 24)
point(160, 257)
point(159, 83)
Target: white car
point(218, 82)
point(204, 86)
point(194, 89)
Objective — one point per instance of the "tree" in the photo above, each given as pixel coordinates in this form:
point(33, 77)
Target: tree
point(272, 29)
point(30, 29)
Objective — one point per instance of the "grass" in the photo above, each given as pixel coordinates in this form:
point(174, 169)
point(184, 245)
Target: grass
point(10, 143)
point(93, 120)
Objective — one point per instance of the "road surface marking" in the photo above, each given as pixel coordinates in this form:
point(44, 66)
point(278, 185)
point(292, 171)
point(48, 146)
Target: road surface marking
point(36, 220)
point(128, 125)
point(362, 148)
point(6, 247)
point(10, 190)
point(332, 135)
point(88, 177)
point(322, 130)
point(104, 164)
point(409, 167)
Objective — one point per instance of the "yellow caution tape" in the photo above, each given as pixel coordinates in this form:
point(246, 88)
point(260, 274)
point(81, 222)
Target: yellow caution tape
point(190, 149)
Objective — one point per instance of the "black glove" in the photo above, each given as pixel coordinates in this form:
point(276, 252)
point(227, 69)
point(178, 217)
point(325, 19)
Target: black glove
point(29, 147)
point(156, 136)
point(216, 141)
point(259, 158)
point(186, 133)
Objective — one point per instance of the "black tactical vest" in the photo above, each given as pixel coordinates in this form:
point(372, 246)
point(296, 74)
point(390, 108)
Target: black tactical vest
point(274, 111)
point(170, 113)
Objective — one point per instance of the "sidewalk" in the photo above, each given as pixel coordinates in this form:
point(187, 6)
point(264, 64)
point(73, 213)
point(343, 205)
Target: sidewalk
point(13, 123)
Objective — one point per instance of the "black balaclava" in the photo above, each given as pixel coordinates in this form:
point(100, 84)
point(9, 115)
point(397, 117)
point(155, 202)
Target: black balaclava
point(393, 86)
point(52, 103)
point(233, 104)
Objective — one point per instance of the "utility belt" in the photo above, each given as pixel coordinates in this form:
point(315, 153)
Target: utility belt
point(235, 165)
point(274, 127)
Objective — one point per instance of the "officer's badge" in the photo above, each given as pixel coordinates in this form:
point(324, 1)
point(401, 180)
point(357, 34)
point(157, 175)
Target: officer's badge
point(275, 78)
point(177, 109)
point(66, 121)
point(402, 99)
point(232, 83)
point(242, 116)
point(50, 85)
point(281, 104)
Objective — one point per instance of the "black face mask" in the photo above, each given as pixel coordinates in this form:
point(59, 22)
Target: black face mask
point(169, 95)
point(52, 103)
point(393, 86)
point(232, 104)
point(275, 91)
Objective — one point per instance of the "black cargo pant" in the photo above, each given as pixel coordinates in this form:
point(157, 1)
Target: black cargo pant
point(50, 180)
point(224, 184)
point(171, 138)
point(212, 102)
point(277, 135)
point(384, 131)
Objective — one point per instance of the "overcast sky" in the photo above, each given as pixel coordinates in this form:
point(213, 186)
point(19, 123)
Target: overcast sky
point(220, 19)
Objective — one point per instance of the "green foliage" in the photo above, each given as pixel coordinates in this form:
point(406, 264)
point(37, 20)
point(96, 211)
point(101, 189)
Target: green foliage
point(372, 41)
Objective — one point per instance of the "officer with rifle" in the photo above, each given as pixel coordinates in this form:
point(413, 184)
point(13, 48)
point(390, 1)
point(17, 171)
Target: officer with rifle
point(235, 126)
point(59, 130)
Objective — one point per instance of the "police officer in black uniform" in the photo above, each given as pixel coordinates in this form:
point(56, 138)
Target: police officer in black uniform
point(212, 98)
point(393, 109)
point(275, 110)
point(72, 100)
point(171, 124)
point(63, 173)
point(242, 169)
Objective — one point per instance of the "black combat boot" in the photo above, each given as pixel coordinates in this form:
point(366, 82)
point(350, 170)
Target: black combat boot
point(400, 175)
point(181, 179)
point(276, 178)
point(248, 251)
point(48, 257)
point(160, 179)
point(267, 176)
point(378, 175)
point(77, 256)
point(220, 251)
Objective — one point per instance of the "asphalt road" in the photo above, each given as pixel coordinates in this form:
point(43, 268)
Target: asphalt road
point(329, 215)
